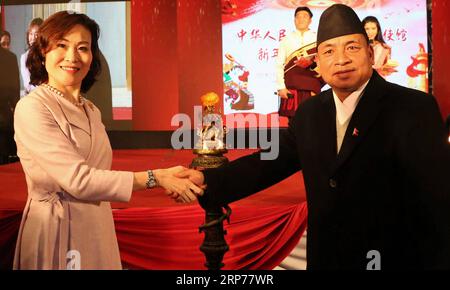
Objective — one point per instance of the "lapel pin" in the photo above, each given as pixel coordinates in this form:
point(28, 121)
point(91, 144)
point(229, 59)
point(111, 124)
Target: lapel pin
point(355, 132)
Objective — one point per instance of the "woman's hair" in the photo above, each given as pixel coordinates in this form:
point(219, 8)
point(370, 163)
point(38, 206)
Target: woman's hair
point(53, 29)
point(379, 36)
point(35, 22)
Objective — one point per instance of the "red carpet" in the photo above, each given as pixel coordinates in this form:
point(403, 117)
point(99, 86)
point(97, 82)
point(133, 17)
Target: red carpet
point(264, 228)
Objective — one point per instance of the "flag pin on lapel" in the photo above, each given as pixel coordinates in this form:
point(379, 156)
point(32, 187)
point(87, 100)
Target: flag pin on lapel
point(355, 132)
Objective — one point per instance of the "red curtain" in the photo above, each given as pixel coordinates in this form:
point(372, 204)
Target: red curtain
point(168, 238)
point(441, 61)
point(163, 238)
point(9, 228)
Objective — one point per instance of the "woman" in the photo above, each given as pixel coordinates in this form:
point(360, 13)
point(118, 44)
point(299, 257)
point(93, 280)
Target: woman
point(382, 51)
point(66, 156)
point(32, 34)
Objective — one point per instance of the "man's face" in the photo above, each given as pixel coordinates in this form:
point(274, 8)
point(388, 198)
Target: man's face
point(5, 42)
point(302, 20)
point(345, 62)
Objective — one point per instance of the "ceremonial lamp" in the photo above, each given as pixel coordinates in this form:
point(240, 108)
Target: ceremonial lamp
point(209, 150)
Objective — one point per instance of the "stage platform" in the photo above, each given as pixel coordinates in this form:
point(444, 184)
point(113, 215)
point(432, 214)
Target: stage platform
point(156, 233)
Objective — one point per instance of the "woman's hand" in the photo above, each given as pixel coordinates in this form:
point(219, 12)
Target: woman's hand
point(180, 189)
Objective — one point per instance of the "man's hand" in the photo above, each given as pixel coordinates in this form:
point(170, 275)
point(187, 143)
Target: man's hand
point(193, 175)
point(283, 93)
point(180, 189)
point(303, 62)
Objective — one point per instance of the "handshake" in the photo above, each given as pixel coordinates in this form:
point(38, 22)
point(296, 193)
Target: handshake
point(181, 184)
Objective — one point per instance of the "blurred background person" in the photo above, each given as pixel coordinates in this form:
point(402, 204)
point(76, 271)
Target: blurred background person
point(32, 34)
point(5, 39)
point(9, 95)
point(382, 51)
point(295, 79)
point(447, 124)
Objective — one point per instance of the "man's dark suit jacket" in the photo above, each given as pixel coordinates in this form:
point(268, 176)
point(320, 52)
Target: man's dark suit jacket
point(9, 96)
point(386, 190)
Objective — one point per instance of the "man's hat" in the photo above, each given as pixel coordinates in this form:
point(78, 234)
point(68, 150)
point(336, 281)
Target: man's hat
point(303, 8)
point(338, 20)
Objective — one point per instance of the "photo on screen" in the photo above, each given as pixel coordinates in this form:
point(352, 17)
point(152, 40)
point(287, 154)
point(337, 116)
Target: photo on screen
point(252, 31)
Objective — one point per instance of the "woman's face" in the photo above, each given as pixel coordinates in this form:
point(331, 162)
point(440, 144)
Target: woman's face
point(371, 30)
point(69, 59)
point(33, 34)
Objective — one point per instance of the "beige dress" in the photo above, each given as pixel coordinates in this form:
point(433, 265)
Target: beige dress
point(65, 153)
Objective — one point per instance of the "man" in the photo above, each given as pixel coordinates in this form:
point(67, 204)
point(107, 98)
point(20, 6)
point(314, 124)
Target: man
point(296, 81)
point(9, 95)
point(375, 163)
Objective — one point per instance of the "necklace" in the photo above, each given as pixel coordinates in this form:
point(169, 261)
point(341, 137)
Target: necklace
point(80, 103)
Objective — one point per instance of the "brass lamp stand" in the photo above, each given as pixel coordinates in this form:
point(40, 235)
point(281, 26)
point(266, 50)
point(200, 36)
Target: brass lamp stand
point(209, 150)
point(214, 245)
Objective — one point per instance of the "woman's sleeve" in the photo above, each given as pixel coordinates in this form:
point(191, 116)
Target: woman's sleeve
point(48, 147)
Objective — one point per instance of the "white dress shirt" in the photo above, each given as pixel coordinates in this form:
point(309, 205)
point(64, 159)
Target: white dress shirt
point(344, 112)
point(288, 45)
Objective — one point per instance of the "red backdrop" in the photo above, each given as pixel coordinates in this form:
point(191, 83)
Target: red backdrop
point(441, 61)
point(154, 63)
point(177, 48)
